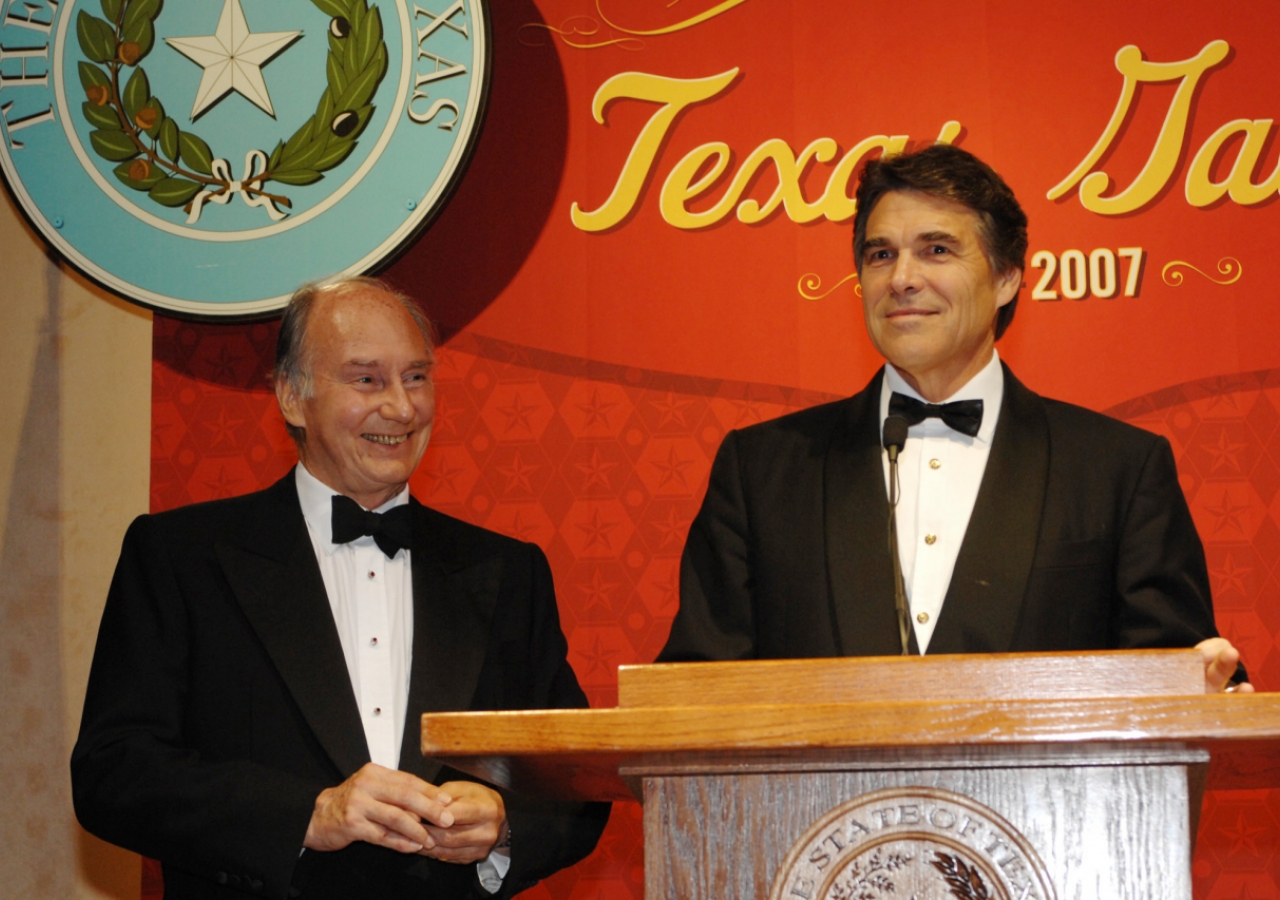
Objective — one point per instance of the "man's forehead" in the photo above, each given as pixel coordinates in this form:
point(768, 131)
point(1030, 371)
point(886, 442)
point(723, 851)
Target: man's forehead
point(354, 299)
point(362, 309)
point(357, 360)
point(926, 215)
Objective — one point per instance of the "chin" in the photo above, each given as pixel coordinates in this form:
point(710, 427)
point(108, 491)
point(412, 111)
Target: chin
point(384, 475)
point(911, 362)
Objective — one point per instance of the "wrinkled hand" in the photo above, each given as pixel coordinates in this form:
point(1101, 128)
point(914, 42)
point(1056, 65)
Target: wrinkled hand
point(479, 822)
point(1220, 660)
point(381, 806)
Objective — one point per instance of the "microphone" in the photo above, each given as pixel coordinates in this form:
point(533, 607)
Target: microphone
point(894, 437)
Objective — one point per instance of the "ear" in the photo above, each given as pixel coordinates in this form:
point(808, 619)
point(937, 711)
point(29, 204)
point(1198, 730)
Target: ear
point(1007, 287)
point(290, 404)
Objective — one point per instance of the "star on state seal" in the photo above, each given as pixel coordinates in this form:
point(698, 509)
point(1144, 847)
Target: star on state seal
point(206, 160)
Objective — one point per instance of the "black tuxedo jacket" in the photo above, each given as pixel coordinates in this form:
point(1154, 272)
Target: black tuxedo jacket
point(219, 704)
point(1080, 539)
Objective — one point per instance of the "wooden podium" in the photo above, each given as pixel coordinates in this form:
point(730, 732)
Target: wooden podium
point(1011, 776)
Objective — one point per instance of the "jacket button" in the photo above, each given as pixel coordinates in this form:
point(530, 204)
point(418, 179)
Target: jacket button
point(255, 885)
point(221, 878)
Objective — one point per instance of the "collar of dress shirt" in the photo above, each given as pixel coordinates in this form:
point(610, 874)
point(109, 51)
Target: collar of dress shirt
point(317, 507)
point(987, 386)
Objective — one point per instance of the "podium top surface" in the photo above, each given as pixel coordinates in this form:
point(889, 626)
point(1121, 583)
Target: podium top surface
point(974, 676)
point(792, 715)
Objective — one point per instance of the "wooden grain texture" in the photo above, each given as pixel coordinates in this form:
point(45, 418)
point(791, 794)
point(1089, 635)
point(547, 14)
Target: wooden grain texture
point(616, 776)
point(1200, 718)
point(992, 676)
point(577, 753)
point(1119, 833)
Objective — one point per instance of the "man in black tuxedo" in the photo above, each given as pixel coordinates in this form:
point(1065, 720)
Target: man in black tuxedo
point(1024, 524)
point(251, 715)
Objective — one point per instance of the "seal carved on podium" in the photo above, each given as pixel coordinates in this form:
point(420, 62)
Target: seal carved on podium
point(913, 843)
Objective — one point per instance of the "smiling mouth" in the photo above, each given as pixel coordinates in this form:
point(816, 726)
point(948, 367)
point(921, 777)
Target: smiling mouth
point(390, 439)
point(910, 311)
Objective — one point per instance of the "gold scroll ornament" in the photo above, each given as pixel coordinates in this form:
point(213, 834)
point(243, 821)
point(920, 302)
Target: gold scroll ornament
point(1228, 266)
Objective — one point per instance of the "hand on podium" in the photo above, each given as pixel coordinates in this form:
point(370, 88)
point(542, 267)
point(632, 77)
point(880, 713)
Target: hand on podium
point(1220, 661)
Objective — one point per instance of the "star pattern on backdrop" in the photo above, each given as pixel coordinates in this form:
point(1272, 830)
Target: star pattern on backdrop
point(598, 657)
point(517, 474)
point(596, 411)
point(671, 529)
point(1243, 835)
point(223, 429)
point(223, 483)
point(672, 468)
point(518, 413)
point(596, 471)
point(520, 529)
point(596, 592)
point(596, 532)
point(232, 58)
point(1231, 576)
point(671, 409)
point(445, 476)
point(222, 365)
point(446, 416)
point(1228, 513)
point(1225, 452)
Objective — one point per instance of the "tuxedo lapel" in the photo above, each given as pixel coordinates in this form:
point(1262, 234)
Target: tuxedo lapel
point(453, 607)
point(989, 581)
point(856, 513)
point(276, 580)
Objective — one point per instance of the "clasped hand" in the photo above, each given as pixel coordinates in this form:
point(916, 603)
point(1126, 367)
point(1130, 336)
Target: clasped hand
point(458, 822)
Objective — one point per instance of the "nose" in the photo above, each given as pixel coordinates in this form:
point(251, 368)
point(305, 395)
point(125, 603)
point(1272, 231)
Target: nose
point(905, 277)
point(396, 403)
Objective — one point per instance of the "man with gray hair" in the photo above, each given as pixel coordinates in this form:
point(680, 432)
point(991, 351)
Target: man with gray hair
point(251, 714)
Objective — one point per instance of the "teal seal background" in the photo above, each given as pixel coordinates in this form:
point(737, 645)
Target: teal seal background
point(235, 260)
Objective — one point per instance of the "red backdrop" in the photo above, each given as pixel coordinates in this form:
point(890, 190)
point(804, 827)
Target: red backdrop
point(588, 376)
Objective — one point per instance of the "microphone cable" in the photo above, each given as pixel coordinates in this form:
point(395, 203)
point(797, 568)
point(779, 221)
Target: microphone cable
point(894, 437)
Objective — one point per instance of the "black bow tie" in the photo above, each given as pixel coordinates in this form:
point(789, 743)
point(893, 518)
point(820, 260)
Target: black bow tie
point(965, 416)
point(392, 531)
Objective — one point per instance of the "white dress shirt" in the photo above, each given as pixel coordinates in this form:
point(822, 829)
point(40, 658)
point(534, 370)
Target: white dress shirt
point(939, 473)
point(372, 602)
point(371, 597)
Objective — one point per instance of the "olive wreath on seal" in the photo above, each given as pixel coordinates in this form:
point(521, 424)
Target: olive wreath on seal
point(178, 168)
point(964, 881)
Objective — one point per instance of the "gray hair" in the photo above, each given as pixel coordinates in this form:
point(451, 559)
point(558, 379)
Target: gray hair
point(293, 356)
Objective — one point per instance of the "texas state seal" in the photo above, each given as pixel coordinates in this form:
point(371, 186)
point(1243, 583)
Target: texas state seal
point(207, 157)
point(914, 843)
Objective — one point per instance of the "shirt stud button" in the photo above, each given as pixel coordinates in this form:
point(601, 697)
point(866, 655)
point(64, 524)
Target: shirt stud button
point(373, 642)
point(377, 710)
point(923, 618)
point(935, 464)
point(373, 575)
point(930, 539)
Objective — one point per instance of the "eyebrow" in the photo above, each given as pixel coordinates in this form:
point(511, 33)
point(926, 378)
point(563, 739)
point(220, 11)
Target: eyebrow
point(930, 237)
point(374, 363)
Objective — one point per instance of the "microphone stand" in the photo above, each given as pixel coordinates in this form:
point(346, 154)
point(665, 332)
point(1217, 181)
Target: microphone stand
point(894, 438)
